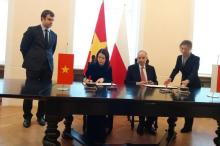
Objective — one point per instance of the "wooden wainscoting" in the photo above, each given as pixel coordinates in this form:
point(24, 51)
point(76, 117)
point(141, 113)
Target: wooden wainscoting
point(78, 75)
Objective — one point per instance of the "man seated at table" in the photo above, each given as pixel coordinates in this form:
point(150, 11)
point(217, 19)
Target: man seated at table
point(142, 73)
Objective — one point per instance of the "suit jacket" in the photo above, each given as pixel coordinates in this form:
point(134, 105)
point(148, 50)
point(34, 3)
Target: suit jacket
point(94, 72)
point(133, 74)
point(34, 49)
point(189, 70)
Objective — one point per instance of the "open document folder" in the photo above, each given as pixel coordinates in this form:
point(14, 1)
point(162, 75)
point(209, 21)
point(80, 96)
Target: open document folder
point(105, 84)
point(161, 86)
point(99, 84)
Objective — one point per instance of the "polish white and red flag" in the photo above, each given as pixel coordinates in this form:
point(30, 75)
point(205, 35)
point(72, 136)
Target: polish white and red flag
point(120, 55)
point(215, 81)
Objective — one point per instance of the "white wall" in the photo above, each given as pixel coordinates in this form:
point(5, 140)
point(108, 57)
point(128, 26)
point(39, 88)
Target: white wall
point(165, 23)
point(24, 13)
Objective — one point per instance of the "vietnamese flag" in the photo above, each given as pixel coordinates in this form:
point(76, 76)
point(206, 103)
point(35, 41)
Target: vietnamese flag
point(215, 81)
point(99, 38)
point(65, 69)
point(120, 55)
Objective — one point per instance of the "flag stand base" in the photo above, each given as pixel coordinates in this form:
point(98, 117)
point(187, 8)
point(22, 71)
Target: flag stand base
point(214, 95)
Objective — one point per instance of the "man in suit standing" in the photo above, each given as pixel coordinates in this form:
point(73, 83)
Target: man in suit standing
point(37, 47)
point(188, 65)
point(142, 73)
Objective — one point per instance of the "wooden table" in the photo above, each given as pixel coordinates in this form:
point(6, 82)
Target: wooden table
point(125, 100)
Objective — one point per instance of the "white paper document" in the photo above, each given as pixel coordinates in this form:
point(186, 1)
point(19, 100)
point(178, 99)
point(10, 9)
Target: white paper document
point(105, 84)
point(161, 86)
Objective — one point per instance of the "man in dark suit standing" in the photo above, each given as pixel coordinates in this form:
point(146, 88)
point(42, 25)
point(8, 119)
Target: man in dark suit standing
point(37, 47)
point(188, 65)
point(141, 73)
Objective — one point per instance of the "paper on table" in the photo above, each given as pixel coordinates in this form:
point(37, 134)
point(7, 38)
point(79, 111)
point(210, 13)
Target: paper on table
point(105, 84)
point(99, 84)
point(161, 86)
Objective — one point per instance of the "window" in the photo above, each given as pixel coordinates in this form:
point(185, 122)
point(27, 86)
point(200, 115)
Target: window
point(86, 14)
point(206, 37)
point(3, 29)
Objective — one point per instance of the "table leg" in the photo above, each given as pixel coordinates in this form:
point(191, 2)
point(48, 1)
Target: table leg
point(51, 133)
point(217, 139)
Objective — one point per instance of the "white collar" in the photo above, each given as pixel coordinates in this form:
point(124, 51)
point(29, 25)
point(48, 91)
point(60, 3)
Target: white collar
point(43, 28)
point(141, 66)
point(186, 57)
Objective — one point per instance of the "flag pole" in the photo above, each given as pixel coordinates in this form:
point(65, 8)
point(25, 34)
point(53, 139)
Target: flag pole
point(66, 51)
point(217, 64)
point(213, 93)
point(217, 59)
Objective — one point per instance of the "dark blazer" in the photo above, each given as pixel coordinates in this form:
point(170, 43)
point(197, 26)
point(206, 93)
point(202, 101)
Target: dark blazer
point(133, 74)
point(34, 49)
point(189, 70)
point(94, 72)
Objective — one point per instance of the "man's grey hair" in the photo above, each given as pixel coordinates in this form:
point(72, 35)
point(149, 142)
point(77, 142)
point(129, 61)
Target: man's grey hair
point(142, 51)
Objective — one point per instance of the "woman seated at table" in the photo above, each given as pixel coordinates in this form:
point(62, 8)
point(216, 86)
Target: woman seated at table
point(141, 73)
point(100, 71)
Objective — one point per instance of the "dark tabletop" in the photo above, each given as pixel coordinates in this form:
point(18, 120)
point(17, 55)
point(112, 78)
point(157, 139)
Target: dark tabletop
point(12, 88)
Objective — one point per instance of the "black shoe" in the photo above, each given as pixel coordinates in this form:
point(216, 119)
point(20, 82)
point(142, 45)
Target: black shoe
point(186, 129)
point(108, 131)
point(41, 121)
point(150, 130)
point(27, 123)
point(140, 129)
point(67, 135)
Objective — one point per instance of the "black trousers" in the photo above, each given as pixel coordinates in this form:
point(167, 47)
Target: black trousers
point(149, 122)
point(45, 74)
point(96, 129)
point(188, 122)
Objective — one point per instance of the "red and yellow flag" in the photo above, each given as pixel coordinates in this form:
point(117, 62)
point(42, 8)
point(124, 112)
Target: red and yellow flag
point(65, 69)
point(99, 38)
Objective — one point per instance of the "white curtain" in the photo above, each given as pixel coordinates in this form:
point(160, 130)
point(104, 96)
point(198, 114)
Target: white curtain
point(206, 36)
point(86, 14)
point(3, 28)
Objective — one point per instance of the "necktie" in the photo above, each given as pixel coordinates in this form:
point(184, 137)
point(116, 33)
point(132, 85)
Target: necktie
point(46, 37)
point(184, 61)
point(143, 78)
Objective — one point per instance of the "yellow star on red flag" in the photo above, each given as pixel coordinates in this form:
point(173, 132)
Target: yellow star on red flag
point(65, 69)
